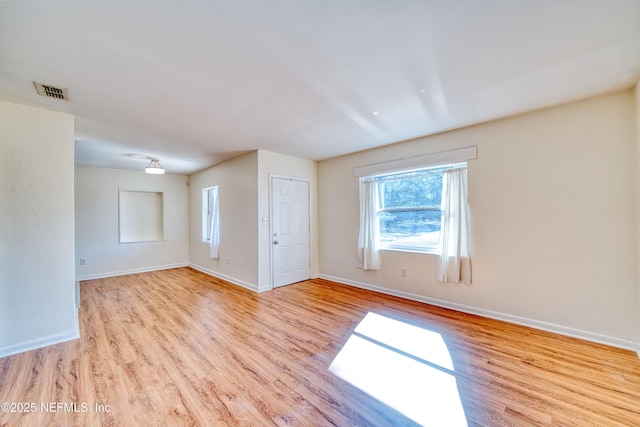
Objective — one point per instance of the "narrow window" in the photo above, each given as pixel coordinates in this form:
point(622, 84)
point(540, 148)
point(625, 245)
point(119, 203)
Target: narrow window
point(209, 196)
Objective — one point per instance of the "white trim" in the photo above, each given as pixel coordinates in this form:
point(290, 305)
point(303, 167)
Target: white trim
point(418, 162)
point(264, 288)
point(226, 278)
point(132, 271)
point(536, 324)
point(40, 343)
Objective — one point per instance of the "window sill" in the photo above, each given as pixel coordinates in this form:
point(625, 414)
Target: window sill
point(414, 251)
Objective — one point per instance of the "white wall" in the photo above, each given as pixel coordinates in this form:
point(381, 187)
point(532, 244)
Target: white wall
point(243, 185)
point(96, 226)
point(552, 203)
point(279, 164)
point(37, 280)
point(237, 183)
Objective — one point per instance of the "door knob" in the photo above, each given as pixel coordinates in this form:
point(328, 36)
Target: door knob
point(275, 242)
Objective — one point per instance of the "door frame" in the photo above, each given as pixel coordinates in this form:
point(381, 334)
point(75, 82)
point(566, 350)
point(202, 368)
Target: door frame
point(290, 178)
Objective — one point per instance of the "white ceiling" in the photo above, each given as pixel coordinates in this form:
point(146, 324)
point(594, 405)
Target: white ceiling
point(198, 82)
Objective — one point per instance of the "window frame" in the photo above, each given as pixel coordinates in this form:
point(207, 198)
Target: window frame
point(411, 173)
point(206, 196)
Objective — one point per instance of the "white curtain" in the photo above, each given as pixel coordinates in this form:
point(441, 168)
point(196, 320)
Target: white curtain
point(368, 252)
point(214, 223)
point(454, 262)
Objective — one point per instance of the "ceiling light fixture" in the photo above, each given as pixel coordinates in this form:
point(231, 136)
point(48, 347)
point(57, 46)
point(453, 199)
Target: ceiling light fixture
point(154, 167)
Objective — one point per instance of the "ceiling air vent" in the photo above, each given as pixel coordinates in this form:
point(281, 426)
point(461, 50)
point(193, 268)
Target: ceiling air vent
point(51, 91)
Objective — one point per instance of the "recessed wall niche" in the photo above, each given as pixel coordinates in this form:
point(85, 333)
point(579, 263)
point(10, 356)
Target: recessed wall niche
point(140, 216)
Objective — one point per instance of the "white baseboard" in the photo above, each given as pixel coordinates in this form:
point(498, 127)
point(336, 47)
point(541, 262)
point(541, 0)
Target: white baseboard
point(226, 278)
point(132, 271)
point(536, 324)
point(39, 343)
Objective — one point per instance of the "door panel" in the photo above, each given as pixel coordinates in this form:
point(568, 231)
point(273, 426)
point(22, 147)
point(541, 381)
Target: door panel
point(290, 233)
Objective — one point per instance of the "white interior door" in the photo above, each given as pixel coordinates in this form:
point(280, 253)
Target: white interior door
point(290, 235)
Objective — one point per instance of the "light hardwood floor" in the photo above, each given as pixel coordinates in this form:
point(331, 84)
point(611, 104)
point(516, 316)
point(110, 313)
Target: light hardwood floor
point(178, 347)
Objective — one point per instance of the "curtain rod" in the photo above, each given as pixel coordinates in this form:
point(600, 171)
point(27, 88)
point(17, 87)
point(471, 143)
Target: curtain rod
point(418, 162)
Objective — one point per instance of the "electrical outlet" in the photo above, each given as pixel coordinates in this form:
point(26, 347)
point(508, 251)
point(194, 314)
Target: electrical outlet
point(83, 261)
point(403, 273)
point(227, 261)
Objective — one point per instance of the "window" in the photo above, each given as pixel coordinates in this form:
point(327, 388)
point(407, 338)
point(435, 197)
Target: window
point(409, 206)
point(209, 196)
point(412, 204)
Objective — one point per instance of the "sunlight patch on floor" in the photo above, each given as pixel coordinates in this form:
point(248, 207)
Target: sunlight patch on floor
point(413, 340)
point(404, 366)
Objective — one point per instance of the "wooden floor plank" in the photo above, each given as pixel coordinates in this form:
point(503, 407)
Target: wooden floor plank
point(178, 347)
